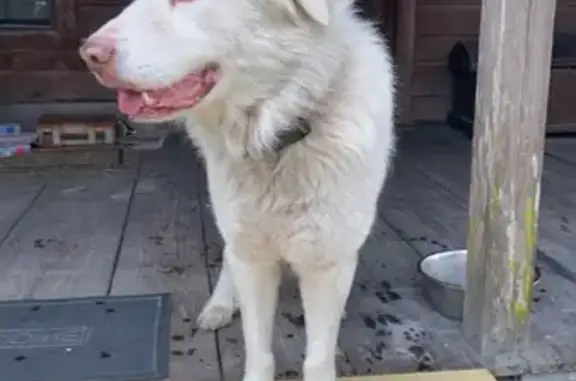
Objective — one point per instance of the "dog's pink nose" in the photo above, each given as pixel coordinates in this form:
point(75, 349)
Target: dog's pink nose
point(98, 52)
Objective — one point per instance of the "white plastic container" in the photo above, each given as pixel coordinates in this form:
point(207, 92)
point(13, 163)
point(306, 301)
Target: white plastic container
point(11, 145)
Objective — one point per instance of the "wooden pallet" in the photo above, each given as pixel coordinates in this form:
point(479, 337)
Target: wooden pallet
point(66, 131)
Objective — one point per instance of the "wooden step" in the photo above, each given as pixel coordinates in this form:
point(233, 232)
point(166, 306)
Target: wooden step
point(465, 375)
point(88, 157)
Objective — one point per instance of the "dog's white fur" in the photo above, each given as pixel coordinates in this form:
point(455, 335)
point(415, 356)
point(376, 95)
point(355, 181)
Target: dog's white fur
point(310, 205)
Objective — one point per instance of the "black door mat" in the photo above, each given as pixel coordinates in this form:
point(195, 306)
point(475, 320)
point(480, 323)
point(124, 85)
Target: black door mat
point(118, 338)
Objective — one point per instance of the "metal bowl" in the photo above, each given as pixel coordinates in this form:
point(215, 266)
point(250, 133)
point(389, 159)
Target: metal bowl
point(444, 280)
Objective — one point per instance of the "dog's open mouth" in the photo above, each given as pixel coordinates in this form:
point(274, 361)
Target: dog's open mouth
point(163, 102)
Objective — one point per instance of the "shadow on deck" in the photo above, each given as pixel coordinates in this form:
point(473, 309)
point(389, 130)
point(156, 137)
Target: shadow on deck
point(149, 229)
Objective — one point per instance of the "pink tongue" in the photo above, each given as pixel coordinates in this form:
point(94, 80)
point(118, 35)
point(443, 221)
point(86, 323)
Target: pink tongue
point(180, 95)
point(129, 102)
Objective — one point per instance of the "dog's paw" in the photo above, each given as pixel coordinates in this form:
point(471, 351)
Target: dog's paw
point(215, 316)
point(262, 368)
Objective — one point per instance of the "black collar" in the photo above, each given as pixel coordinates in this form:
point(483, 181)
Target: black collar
point(297, 132)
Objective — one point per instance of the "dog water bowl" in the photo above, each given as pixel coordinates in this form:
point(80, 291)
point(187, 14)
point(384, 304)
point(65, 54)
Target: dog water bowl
point(444, 280)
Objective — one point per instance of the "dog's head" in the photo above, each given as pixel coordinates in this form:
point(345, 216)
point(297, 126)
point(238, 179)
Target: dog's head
point(167, 56)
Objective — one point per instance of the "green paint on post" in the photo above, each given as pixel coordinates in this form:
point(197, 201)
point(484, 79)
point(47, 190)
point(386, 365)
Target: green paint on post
point(494, 202)
point(521, 306)
point(521, 312)
point(530, 223)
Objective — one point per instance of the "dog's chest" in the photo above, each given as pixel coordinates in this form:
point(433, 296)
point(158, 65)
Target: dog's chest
point(242, 186)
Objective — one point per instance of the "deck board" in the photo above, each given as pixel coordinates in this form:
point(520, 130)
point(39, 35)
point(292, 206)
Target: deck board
point(466, 375)
point(163, 251)
point(63, 231)
point(381, 332)
point(451, 171)
point(17, 193)
point(66, 243)
point(562, 150)
point(439, 176)
point(450, 175)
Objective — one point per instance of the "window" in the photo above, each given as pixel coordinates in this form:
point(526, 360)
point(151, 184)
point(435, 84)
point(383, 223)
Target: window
point(25, 13)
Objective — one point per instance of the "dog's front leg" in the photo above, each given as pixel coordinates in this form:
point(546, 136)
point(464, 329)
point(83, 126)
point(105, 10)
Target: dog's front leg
point(219, 310)
point(257, 290)
point(324, 293)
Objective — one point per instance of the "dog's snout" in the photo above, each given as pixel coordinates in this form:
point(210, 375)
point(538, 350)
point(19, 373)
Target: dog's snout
point(98, 52)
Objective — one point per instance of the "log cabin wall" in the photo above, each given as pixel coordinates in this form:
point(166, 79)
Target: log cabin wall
point(41, 72)
point(438, 25)
point(41, 64)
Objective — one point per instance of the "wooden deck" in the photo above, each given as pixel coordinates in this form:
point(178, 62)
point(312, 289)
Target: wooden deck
point(149, 228)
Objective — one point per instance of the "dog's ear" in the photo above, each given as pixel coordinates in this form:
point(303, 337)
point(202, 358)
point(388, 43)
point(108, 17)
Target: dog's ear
point(317, 10)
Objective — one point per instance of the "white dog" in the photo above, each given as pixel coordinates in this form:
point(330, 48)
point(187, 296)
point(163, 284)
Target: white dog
point(291, 105)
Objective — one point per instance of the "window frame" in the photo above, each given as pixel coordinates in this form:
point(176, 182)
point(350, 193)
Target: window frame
point(59, 33)
point(19, 24)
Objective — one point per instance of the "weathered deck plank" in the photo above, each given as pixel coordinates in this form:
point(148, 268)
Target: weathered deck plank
point(451, 170)
point(450, 173)
point(382, 332)
point(562, 149)
point(431, 213)
point(66, 244)
point(466, 375)
point(18, 192)
point(163, 251)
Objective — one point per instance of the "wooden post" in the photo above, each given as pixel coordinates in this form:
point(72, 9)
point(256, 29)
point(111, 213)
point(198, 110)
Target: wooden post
point(405, 38)
point(509, 128)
